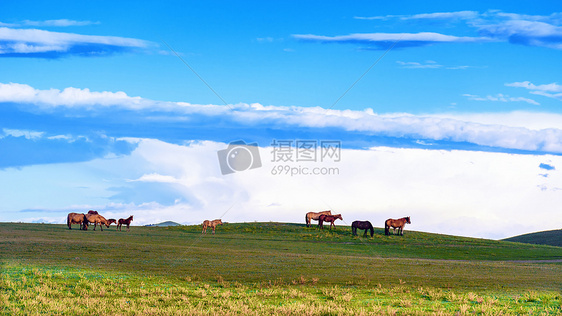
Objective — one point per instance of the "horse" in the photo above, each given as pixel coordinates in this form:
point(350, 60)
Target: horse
point(328, 218)
point(366, 225)
point(112, 221)
point(212, 224)
point(97, 220)
point(91, 212)
point(396, 223)
point(127, 222)
point(314, 216)
point(76, 218)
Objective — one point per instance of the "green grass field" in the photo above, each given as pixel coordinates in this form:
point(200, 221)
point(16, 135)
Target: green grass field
point(271, 268)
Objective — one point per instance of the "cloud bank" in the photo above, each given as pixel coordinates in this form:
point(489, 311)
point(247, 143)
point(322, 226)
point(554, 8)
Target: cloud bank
point(456, 192)
point(363, 124)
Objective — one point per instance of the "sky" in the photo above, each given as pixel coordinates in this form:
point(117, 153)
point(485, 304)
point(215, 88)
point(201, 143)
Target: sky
point(450, 113)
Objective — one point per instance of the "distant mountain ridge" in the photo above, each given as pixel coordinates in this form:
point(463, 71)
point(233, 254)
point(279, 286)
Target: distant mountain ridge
point(164, 224)
point(548, 237)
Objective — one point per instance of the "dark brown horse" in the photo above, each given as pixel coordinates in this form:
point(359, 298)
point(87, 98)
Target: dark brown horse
point(77, 218)
point(366, 225)
point(328, 218)
point(314, 216)
point(112, 221)
point(212, 224)
point(396, 223)
point(97, 220)
point(126, 221)
point(93, 212)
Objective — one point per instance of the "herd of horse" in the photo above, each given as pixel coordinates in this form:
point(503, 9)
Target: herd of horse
point(92, 217)
point(327, 216)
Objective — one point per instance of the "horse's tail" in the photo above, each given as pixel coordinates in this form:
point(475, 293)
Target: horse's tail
point(68, 222)
point(354, 230)
point(386, 228)
point(306, 220)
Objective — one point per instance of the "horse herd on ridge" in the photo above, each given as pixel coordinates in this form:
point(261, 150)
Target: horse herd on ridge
point(92, 217)
point(327, 216)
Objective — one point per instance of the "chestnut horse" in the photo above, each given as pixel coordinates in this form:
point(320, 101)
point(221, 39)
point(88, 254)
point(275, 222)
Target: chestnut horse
point(366, 225)
point(112, 221)
point(396, 223)
point(314, 216)
point(97, 220)
point(328, 218)
point(127, 222)
point(212, 224)
point(76, 218)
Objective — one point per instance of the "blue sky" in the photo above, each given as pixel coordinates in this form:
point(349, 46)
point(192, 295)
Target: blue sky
point(122, 107)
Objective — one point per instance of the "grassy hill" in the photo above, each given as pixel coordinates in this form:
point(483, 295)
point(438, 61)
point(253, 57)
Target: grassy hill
point(550, 237)
point(271, 268)
point(165, 224)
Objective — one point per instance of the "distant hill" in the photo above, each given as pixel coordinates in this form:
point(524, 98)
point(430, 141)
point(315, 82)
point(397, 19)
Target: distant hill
point(165, 224)
point(549, 237)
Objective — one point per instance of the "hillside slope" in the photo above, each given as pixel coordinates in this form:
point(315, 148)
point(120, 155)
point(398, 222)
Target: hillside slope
point(549, 237)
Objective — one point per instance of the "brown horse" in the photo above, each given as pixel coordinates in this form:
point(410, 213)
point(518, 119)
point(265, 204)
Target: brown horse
point(112, 221)
point(314, 216)
point(328, 218)
point(97, 220)
point(93, 212)
point(396, 223)
point(212, 224)
point(76, 218)
point(127, 222)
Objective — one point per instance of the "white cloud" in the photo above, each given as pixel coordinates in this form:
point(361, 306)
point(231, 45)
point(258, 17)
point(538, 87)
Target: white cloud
point(22, 133)
point(422, 37)
point(417, 65)
point(427, 16)
point(500, 98)
point(47, 44)
point(58, 23)
point(551, 90)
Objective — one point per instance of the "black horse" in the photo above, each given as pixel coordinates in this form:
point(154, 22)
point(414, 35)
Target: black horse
point(362, 225)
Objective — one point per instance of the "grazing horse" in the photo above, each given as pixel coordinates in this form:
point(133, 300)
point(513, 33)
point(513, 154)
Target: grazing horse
point(396, 223)
point(366, 225)
point(97, 220)
point(328, 218)
point(212, 224)
point(76, 218)
point(314, 216)
point(127, 222)
point(112, 221)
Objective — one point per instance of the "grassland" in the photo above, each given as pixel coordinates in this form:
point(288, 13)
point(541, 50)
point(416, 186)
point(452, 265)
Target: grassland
point(270, 268)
